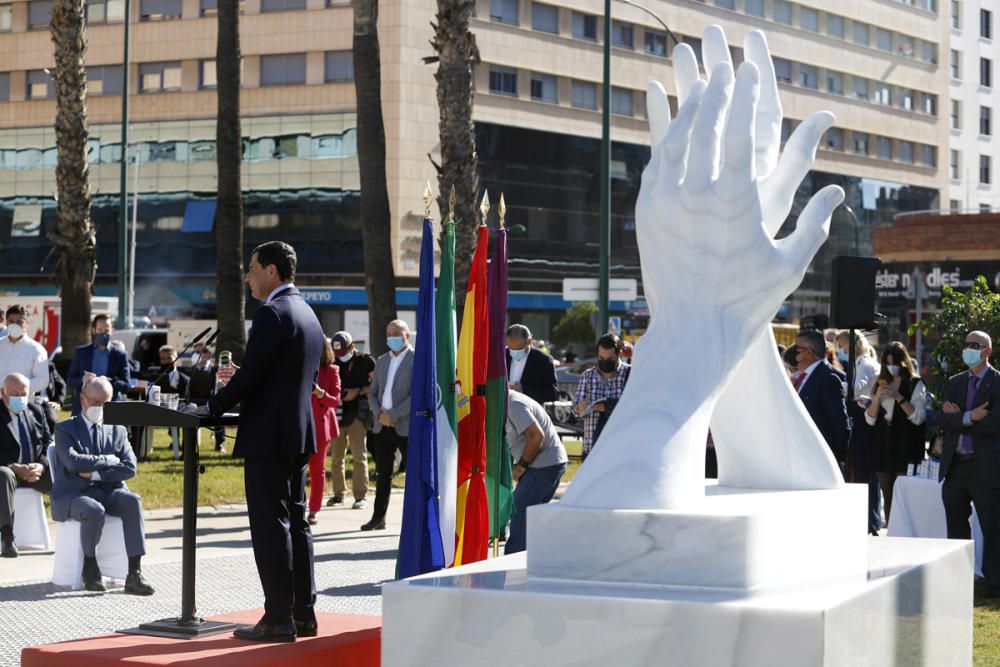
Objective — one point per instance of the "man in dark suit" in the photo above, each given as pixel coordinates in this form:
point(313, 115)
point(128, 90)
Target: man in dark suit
point(970, 460)
point(173, 381)
point(822, 392)
point(24, 441)
point(276, 437)
point(529, 370)
point(92, 462)
point(98, 359)
point(389, 399)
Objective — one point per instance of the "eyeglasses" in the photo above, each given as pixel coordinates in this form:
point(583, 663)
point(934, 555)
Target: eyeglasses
point(973, 345)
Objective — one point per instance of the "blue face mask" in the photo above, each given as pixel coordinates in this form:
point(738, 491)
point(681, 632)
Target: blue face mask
point(842, 356)
point(396, 343)
point(17, 403)
point(102, 339)
point(518, 355)
point(971, 357)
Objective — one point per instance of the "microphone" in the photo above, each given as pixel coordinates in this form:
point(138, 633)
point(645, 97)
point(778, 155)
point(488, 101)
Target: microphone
point(211, 340)
point(186, 348)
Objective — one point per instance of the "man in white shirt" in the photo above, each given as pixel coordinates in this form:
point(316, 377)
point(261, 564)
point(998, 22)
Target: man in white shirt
point(389, 398)
point(20, 354)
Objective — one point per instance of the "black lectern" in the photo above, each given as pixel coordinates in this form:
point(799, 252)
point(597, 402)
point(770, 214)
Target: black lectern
point(137, 413)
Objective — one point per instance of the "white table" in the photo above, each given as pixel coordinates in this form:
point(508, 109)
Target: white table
point(918, 511)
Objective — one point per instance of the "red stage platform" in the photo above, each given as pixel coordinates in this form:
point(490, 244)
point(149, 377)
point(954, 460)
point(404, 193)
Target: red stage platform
point(344, 641)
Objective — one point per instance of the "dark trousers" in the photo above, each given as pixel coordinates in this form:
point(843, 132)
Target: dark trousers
point(90, 508)
point(960, 489)
point(282, 541)
point(8, 482)
point(386, 442)
point(537, 486)
point(862, 471)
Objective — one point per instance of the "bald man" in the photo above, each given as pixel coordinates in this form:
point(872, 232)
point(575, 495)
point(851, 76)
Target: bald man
point(24, 441)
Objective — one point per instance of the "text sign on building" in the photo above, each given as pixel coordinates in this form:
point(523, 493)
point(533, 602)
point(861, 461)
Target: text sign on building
point(585, 289)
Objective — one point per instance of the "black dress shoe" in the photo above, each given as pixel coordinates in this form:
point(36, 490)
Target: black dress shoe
point(306, 628)
point(265, 632)
point(8, 550)
point(135, 584)
point(92, 580)
point(374, 524)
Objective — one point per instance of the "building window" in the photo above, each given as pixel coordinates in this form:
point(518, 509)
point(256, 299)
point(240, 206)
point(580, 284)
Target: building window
point(956, 64)
point(39, 13)
point(104, 80)
point(906, 99)
point(883, 40)
point(782, 12)
point(4, 86)
point(159, 10)
point(503, 11)
point(928, 155)
point(622, 35)
point(287, 69)
point(584, 94)
point(906, 151)
point(954, 162)
point(929, 104)
point(621, 101)
point(38, 85)
point(656, 42)
point(834, 139)
point(208, 78)
point(339, 66)
point(584, 26)
point(808, 19)
point(782, 70)
point(859, 33)
point(503, 80)
point(808, 76)
point(835, 83)
point(986, 72)
point(956, 14)
point(861, 88)
point(956, 115)
point(755, 8)
point(985, 121)
point(695, 44)
point(786, 129)
point(544, 17)
point(726, 4)
point(859, 143)
point(281, 5)
point(928, 52)
point(835, 26)
point(954, 205)
point(883, 94)
point(159, 77)
point(543, 88)
point(105, 11)
point(5, 17)
point(883, 148)
point(984, 169)
point(986, 23)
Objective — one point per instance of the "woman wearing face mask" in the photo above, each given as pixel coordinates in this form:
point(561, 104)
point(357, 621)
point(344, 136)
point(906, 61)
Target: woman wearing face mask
point(325, 399)
point(599, 389)
point(896, 413)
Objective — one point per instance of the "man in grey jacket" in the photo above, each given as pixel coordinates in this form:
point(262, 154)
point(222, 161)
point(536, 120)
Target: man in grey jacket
point(389, 398)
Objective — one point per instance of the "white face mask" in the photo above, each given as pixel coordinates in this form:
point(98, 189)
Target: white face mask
point(15, 331)
point(95, 413)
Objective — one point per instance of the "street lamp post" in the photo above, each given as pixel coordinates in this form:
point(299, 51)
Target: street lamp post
point(124, 307)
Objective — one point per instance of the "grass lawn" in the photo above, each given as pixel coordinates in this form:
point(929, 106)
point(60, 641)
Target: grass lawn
point(986, 632)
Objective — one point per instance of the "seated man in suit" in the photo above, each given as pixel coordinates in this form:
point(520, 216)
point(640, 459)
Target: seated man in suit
point(529, 370)
point(173, 381)
point(822, 392)
point(94, 460)
point(24, 441)
point(98, 359)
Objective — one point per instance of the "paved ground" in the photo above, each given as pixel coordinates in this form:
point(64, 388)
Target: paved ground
point(350, 567)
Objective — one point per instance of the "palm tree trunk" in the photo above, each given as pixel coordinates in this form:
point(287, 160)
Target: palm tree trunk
point(457, 55)
point(376, 231)
point(229, 208)
point(74, 236)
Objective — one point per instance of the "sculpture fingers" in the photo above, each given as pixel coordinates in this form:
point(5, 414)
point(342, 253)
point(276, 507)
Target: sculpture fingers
point(685, 72)
point(811, 230)
point(715, 48)
point(738, 154)
point(708, 127)
point(769, 111)
point(658, 112)
point(673, 150)
point(778, 191)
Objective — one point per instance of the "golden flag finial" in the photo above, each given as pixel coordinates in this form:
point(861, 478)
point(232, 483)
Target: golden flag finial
point(428, 198)
point(502, 210)
point(484, 207)
point(452, 202)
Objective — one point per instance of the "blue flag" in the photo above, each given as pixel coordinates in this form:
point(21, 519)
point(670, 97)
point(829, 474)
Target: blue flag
point(420, 546)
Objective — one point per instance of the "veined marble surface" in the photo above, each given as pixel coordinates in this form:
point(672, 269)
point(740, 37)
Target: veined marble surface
point(915, 609)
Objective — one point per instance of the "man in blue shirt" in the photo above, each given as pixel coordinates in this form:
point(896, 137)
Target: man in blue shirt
point(98, 359)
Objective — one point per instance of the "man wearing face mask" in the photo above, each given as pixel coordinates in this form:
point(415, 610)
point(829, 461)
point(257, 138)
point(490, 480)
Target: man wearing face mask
point(389, 397)
point(822, 392)
point(970, 457)
point(19, 353)
point(355, 378)
point(93, 462)
point(98, 359)
point(599, 389)
point(24, 441)
point(529, 370)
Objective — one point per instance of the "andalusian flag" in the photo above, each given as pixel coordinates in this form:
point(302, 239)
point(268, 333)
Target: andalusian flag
point(499, 481)
point(420, 548)
point(472, 515)
point(447, 418)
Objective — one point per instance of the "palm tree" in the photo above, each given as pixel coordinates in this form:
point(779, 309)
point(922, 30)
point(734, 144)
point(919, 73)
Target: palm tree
point(380, 278)
point(74, 238)
point(230, 306)
point(457, 54)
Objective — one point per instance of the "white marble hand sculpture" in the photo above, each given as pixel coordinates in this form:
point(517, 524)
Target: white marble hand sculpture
point(713, 277)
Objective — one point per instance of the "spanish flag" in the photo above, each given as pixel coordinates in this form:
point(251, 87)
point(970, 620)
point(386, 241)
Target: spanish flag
point(472, 520)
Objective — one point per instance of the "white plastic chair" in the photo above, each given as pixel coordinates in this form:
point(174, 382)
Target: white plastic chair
point(67, 567)
point(31, 526)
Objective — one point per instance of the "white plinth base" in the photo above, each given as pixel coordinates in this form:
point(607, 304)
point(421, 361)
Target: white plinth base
point(735, 538)
point(914, 609)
